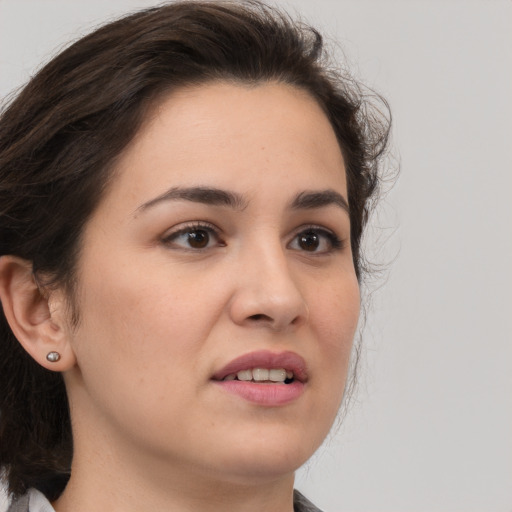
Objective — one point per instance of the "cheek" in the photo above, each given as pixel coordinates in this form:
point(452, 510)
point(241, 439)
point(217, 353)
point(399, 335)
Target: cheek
point(137, 340)
point(145, 304)
point(335, 316)
point(137, 322)
point(144, 331)
point(337, 313)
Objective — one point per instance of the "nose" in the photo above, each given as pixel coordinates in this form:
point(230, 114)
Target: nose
point(266, 293)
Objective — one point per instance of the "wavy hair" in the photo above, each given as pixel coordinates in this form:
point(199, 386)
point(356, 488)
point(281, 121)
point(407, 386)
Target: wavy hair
point(59, 139)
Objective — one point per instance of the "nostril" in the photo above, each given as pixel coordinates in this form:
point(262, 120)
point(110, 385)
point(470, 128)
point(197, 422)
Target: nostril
point(260, 317)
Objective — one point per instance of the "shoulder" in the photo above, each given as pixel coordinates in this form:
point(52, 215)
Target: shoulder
point(33, 501)
point(302, 504)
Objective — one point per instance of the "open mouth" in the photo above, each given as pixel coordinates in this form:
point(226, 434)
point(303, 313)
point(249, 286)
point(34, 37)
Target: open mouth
point(263, 376)
point(265, 367)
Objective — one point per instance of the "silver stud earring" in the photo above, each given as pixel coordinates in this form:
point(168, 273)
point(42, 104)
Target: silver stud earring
point(53, 357)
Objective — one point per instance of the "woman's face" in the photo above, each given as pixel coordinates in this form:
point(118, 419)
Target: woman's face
point(221, 246)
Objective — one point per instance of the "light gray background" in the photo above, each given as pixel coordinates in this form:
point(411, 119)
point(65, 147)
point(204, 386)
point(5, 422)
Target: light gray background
point(431, 429)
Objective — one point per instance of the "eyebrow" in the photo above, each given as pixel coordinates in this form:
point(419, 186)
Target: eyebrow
point(309, 200)
point(306, 200)
point(205, 195)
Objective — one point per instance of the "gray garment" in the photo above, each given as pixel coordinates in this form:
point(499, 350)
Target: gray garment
point(300, 503)
point(20, 505)
point(33, 501)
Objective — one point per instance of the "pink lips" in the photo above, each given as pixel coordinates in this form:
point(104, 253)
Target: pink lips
point(267, 394)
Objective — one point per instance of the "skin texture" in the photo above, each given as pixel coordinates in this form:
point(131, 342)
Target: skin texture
point(159, 318)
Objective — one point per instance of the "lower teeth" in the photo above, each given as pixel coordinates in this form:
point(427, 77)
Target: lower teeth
point(286, 381)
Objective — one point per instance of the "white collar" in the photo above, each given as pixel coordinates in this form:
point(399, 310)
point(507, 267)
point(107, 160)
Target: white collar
point(38, 502)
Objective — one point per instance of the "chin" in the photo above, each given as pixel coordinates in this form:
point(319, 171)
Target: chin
point(268, 456)
point(259, 469)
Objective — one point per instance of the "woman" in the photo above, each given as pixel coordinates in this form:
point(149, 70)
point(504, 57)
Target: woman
point(183, 197)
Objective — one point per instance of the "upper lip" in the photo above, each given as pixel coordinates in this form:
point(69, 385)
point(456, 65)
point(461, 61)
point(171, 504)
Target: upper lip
point(290, 361)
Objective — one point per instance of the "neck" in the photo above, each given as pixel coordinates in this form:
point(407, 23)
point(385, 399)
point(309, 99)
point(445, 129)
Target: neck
point(104, 480)
point(213, 496)
point(126, 470)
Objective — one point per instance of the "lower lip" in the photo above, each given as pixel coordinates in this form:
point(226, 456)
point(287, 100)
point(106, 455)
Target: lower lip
point(270, 395)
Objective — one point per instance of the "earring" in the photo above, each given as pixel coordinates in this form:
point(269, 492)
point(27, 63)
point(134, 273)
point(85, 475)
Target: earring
point(53, 357)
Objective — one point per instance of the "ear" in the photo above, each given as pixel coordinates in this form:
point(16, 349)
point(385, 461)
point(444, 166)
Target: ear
point(37, 319)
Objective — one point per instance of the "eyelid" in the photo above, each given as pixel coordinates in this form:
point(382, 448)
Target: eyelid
point(336, 242)
point(173, 233)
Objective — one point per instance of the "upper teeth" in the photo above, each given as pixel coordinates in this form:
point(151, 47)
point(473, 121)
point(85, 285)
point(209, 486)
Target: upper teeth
point(262, 374)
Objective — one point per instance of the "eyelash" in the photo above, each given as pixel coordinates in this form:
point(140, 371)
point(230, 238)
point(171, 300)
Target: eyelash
point(335, 243)
point(191, 228)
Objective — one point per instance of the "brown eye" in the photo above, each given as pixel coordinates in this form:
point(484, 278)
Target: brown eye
point(194, 237)
point(309, 241)
point(316, 240)
point(198, 239)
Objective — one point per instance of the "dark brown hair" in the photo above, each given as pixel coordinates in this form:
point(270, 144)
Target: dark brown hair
point(59, 140)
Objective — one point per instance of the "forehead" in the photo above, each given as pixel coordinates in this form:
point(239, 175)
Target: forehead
point(226, 134)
